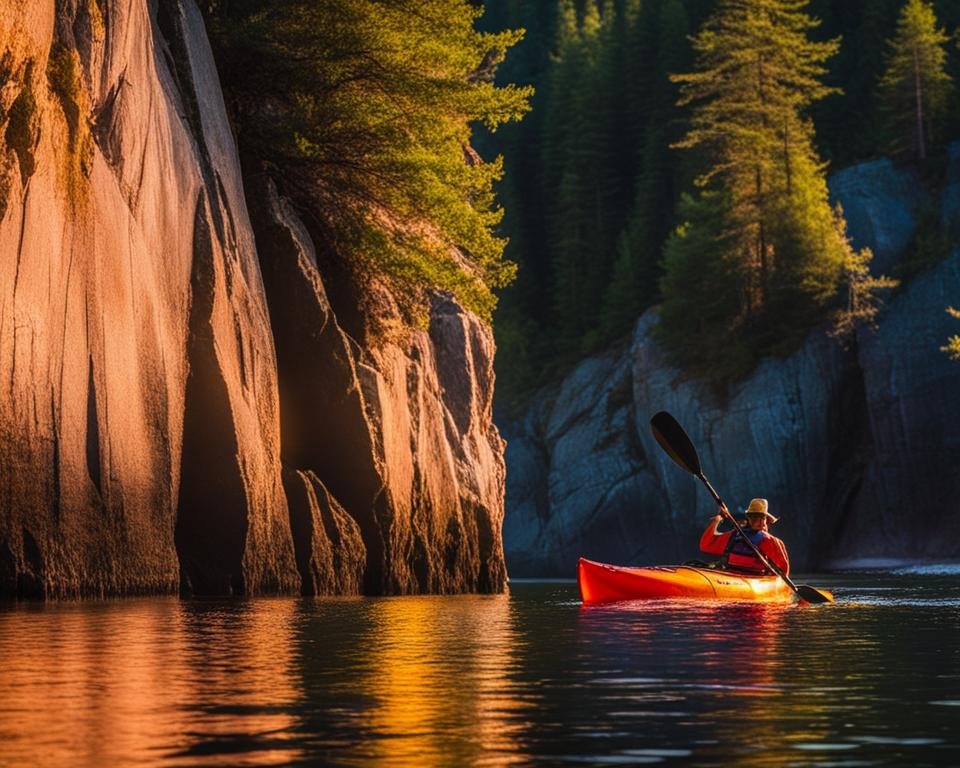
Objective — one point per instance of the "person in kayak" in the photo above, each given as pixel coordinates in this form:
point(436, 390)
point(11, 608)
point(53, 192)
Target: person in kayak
point(735, 552)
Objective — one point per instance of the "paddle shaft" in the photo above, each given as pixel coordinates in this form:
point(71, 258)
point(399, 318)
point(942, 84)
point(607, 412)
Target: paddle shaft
point(723, 511)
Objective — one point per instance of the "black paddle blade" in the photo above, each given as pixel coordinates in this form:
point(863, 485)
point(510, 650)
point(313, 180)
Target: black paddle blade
point(812, 595)
point(675, 442)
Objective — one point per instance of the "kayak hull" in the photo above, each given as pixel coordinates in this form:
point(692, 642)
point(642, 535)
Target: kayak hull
point(601, 583)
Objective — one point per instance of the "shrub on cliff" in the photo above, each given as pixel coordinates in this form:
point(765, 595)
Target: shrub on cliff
point(364, 109)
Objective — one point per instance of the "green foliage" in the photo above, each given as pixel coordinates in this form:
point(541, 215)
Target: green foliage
point(64, 79)
point(916, 88)
point(593, 184)
point(582, 172)
point(778, 248)
point(633, 284)
point(701, 323)
point(849, 128)
point(860, 288)
point(365, 110)
point(605, 116)
point(952, 347)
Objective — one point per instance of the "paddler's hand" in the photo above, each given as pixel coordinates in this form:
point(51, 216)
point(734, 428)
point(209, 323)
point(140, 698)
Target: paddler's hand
point(724, 512)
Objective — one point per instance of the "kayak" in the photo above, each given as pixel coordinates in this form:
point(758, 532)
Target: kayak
point(601, 583)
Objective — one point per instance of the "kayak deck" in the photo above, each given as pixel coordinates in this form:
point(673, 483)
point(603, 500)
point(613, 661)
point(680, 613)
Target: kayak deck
point(601, 583)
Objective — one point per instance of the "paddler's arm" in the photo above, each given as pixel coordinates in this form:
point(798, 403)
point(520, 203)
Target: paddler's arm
point(711, 541)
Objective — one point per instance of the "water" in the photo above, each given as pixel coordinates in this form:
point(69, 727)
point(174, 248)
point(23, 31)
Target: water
point(529, 678)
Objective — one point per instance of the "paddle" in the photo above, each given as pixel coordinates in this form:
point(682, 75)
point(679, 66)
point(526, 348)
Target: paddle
point(678, 447)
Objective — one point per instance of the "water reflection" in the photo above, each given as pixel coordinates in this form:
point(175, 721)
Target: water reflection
point(137, 681)
point(529, 678)
point(416, 681)
point(437, 674)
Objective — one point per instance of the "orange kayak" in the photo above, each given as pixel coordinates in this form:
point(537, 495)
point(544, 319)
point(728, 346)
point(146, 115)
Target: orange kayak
point(600, 583)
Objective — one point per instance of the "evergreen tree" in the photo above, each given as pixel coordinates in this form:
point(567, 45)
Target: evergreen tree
point(757, 73)
point(702, 286)
point(580, 170)
point(915, 87)
point(849, 127)
point(636, 271)
point(364, 111)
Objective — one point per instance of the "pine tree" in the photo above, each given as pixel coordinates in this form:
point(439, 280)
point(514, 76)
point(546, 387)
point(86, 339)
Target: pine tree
point(580, 173)
point(634, 280)
point(364, 110)
point(757, 73)
point(848, 127)
point(915, 87)
point(702, 283)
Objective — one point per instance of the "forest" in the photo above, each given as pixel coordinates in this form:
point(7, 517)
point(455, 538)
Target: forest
point(562, 166)
point(677, 154)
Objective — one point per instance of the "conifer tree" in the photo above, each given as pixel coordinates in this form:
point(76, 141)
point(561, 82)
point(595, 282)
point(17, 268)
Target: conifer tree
point(580, 174)
point(365, 110)
point(757, 73)
point(915, 87)
point(636, 270)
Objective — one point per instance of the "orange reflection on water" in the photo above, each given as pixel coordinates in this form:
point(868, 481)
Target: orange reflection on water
point(136, 682)
point(439, 675)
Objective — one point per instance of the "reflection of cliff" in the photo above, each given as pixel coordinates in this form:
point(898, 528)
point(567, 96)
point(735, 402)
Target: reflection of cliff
point(182, 408)
point(412, 681)
point(438, 682)
point(159, 680)
point(846, 444)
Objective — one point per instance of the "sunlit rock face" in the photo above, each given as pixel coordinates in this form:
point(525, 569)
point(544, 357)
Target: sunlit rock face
point(856, 448)
point(140, 420)
point(396, 430)
point(172, 417)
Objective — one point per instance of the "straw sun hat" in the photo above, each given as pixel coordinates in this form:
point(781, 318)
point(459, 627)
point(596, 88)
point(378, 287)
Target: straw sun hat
point(759, 507)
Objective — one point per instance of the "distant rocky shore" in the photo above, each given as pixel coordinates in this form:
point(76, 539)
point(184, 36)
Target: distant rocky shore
point(854, 447)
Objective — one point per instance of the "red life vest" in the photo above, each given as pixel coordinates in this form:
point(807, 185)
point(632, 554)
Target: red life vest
point(740, 556)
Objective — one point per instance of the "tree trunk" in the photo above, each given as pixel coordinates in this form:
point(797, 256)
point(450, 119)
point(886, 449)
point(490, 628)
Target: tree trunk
point(918, 88)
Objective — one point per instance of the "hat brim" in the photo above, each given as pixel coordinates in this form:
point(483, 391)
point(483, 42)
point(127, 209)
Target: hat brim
point(769, 517)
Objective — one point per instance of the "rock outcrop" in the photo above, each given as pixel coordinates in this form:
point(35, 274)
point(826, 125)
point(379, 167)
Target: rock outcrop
point(848, 444)
point(399, 430)
point(174, 418)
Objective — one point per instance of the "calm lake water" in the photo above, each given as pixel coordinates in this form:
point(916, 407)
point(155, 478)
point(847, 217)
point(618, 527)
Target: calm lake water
point(528, 678)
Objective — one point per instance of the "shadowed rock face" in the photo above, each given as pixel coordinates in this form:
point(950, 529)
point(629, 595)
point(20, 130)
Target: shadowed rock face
point(158, 410)
point(850, 446)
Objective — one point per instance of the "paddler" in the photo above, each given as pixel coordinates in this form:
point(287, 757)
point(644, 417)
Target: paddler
point(735, 552)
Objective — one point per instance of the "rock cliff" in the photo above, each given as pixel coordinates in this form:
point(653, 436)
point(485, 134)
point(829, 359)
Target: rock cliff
point(182, 408)
point(848, 445)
